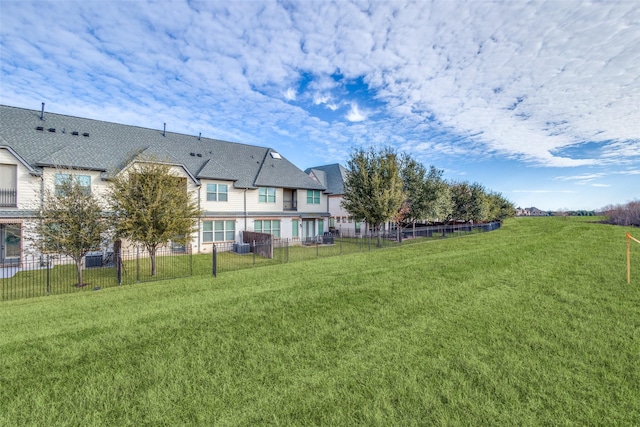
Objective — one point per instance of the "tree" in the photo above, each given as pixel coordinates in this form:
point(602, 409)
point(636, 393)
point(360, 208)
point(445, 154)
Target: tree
point(373, 187)
point(498, 207)
point(468, 202)
point(439, 204)
point(628, 214)
point(414, 179)
point(151, 206)
point(71, 222)
point(428, 195)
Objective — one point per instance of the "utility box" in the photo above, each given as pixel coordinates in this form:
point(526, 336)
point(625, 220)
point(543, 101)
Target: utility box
point(241, 248)
point(93, 260)
point(327, 239)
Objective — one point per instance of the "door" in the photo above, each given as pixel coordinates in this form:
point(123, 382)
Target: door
point(10, 243)
point(308, 230)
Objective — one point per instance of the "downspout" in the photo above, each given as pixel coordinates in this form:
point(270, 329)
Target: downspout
point(41, 204)
point(245, 209)
point(199, 218)
point(42, 191)
point(329, 212)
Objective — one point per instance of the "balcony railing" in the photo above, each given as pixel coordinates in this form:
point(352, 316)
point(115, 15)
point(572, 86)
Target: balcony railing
point(8, 197)
point(290, 205)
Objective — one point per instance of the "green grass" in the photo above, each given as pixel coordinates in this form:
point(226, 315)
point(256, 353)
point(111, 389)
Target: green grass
point(62, 279)
point(533, 324)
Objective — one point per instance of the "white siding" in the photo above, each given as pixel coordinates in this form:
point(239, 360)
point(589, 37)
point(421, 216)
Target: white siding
point(28, 186)
point(234, 203)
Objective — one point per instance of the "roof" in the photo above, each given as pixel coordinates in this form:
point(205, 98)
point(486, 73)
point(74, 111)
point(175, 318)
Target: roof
point(332, 177)
point(74, 142)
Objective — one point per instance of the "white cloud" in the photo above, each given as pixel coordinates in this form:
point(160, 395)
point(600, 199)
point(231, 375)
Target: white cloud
point(290, 94)
point(320, 99)
point(630, 172)
point(355, 114)
point(451, 80)
point(544, 191)
point(583, 177)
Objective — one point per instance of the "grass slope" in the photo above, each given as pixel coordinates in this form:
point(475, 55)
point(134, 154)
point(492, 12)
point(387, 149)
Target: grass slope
point(532, 324)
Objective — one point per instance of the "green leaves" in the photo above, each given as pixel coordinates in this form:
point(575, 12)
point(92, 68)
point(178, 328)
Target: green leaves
point(373, 189)
point(71, 222)
point(151, 206)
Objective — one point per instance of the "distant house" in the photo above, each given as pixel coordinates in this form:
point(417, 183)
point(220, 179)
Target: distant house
point(238, 186)
point(530, 212)
point(332, 177)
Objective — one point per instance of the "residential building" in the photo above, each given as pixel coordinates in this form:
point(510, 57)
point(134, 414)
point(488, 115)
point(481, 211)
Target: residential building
point(332, 177)
point(238, 186)
point(530, 212)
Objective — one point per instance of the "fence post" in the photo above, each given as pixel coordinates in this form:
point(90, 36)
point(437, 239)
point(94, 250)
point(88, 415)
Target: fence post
point(214, 262)
point(117, 253)
point(190, 260)
point(48, 278)
point(137, 263)
point(628, 258)
point(254, 253)
point(286, 250)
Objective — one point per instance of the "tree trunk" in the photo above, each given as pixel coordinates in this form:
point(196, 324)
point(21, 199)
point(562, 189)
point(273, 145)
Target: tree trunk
point(152, 256)
point(379, 230)
point(79, 270)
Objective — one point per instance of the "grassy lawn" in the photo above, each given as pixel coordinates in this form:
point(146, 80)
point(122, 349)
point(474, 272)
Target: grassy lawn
point(533, 324)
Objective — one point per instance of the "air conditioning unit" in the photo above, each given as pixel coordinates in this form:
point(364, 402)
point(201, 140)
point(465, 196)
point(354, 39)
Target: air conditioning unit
point(241, 248)
point(93, 260)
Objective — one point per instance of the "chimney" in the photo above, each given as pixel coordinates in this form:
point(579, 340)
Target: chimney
point(42, 112)
point(164, 132)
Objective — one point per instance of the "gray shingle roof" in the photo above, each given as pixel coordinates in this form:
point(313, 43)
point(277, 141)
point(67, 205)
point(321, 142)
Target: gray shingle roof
point(332, 177)
point(68, 141)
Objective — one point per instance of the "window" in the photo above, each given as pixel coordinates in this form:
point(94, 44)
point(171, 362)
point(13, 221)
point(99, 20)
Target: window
point(313, 197)
point(268, 227)
point(218, 231)
point(294, 228)
point(8, 185)
point(217, 192)
point(84, 181)
point(266, 195)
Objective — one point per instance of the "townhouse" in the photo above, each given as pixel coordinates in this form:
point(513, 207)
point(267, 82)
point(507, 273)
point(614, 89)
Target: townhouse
point(238, 187)
point(332, 177)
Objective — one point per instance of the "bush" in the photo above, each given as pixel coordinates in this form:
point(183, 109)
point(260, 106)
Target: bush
point(627, 215)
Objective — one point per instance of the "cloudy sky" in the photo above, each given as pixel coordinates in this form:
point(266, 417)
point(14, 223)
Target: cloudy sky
point(539, 101)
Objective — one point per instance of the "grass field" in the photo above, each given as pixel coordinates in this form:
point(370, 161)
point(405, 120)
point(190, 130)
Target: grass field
point(533, 324)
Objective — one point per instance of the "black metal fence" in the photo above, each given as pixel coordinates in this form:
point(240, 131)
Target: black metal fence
point(237, 256)
point(55, 274)
point(49, 274)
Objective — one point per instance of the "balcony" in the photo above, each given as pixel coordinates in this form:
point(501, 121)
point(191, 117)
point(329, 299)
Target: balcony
point(8, 197)
point(290, 205)
point(290, 200)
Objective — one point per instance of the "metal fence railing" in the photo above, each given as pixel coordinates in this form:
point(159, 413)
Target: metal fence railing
point(50, 274)
point(54, 274)
point(237, 256)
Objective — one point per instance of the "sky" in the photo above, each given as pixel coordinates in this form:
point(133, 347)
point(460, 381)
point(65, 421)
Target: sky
point(538, 101)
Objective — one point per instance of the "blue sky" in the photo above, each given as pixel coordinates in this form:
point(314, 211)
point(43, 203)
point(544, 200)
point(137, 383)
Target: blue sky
point(539, 101)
